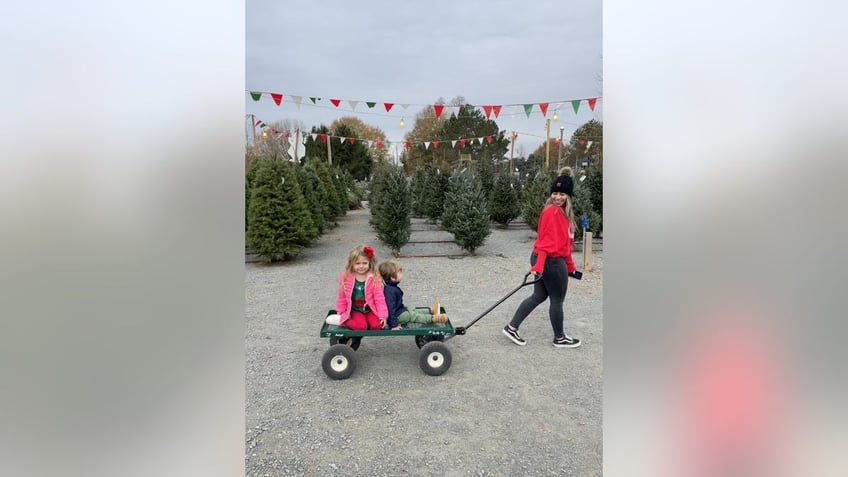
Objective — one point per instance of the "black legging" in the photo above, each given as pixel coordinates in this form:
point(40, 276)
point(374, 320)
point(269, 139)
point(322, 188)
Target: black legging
point(553, 285)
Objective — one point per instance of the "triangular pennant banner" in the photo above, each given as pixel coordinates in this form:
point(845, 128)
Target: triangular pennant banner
point(323, 138)
point(588, 145)
point(544, 108)
point(487, 110)
point(435, 144)
point(370, 143)
point(404, 106)
point(370, 104)
point(258, 122)
point(438, 109)
point(489, 139)
point(388, 106)
point(426, 145)
point(576, 105)
point(591, 102)
point(353, 105)
point(407, 144)
point(341, 140)
point(336, 102)
point(255, 95)
point(314, 136)
point(297, 100)
point(315, 100)
point(497, 110)
point(453, 143)
point(351, 140)
point(527, 109)
point(462, 143)
point(277, 98)
point(379, 143)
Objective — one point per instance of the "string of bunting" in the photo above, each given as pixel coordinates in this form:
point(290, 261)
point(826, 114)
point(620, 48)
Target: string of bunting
point(438, 109)
point(407, 144)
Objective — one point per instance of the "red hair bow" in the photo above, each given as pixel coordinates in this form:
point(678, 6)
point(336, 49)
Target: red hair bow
point(368, 251)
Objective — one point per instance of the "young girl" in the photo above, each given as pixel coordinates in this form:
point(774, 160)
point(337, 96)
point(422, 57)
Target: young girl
point(361, 304)
point(551, 258)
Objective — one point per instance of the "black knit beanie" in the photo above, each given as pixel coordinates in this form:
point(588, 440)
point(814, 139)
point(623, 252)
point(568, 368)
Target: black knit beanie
point(563, 184)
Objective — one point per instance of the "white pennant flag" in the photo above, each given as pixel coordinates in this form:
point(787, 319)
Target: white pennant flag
point(353, 105)
point(341, 140)
point(480, 140)
point(296, 100)
point(370, 142)
point(314, 136)
point(453, 143)
point(426, 145)
point(404, 106)
point(588, 145)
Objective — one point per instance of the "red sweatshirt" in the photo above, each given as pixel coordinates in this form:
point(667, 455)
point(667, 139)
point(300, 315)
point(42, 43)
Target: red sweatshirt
point(554, 238)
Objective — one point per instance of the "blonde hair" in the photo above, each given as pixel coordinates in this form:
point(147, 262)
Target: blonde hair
point(390, 269)
point(357, 253)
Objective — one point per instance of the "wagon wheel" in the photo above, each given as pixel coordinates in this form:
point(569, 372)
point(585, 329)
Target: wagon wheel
point(421, 340)
point(353, 342)
point(434, 358)
point(339, 361)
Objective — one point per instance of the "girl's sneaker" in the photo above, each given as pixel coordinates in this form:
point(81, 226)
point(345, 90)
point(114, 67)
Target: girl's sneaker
point(566, 342)
point(513, 335)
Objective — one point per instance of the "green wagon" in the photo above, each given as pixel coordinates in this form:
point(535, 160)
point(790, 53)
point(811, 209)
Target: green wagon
point(434, 357)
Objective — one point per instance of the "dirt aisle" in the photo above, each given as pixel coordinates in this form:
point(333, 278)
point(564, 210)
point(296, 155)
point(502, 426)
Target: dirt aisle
point(499, 410)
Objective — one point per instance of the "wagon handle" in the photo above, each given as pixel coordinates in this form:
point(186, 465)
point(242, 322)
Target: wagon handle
point(460, 330)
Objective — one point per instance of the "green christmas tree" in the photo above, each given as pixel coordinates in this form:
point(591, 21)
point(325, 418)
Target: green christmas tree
point(418, 186)
point(536, 192)
point(504, 200)
point(467, 212)
point(390, 218)
point(314, 194)
point(279, 222)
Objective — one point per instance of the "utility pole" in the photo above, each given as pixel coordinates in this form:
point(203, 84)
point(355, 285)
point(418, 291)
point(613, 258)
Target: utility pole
point(511, 151)
point(253, 125)
point(329, 150)
point(547, 145)
point(296, 142)
point(559, 150)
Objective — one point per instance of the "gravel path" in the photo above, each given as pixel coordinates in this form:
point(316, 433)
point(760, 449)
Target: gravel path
point(500, 410)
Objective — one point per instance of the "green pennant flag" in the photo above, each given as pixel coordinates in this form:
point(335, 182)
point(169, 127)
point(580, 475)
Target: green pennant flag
point(576, 105)
point(527, 109)
point(370, 104)
point(313, 100)
point(255, 95)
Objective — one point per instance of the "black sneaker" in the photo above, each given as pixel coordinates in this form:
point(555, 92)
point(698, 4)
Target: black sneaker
point(566, 342)
point(513, 335)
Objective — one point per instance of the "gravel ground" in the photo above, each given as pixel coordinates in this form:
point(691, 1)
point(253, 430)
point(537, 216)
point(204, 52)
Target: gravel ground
point(500, 410)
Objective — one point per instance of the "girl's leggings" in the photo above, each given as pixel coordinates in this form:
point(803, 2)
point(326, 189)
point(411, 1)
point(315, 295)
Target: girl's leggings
point(553, 285)
point(361, 322)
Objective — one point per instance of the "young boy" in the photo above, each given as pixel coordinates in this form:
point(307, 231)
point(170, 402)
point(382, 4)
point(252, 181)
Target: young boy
point(392, 274)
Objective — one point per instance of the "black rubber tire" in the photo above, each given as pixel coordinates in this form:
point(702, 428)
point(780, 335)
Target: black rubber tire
point(421, 340)
point(339, 362)
point(434, 358)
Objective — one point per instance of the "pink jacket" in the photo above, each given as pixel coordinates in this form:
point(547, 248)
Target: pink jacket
point(373, 297)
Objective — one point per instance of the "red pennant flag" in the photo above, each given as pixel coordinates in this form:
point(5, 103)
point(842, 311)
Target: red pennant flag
point(258, 122)
point(351, 140)
point(462, 143)
point(488, 111)
point(407, 144)
point(277, 98)
point(581, 142)
point(388, 106)
point(591, 102)
point(489, 138)
point(273, 131)
point(544, 108)
point(379, 144)
point(438, 109)
point(323, 138)
point(497, 110)
point(435, 144)
point(335, 102)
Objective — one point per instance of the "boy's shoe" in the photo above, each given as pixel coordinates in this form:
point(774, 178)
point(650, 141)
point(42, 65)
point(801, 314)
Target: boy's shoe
point(435, 308)
point(513, 335)
point(440, 318)
point(566, 342)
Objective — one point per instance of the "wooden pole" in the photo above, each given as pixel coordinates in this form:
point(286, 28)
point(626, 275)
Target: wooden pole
point(587, 251)
point(296, 143)
point(548, 145)
point(511, 151)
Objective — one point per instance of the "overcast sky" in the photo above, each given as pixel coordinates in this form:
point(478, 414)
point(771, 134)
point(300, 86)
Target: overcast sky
point(492, 53)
